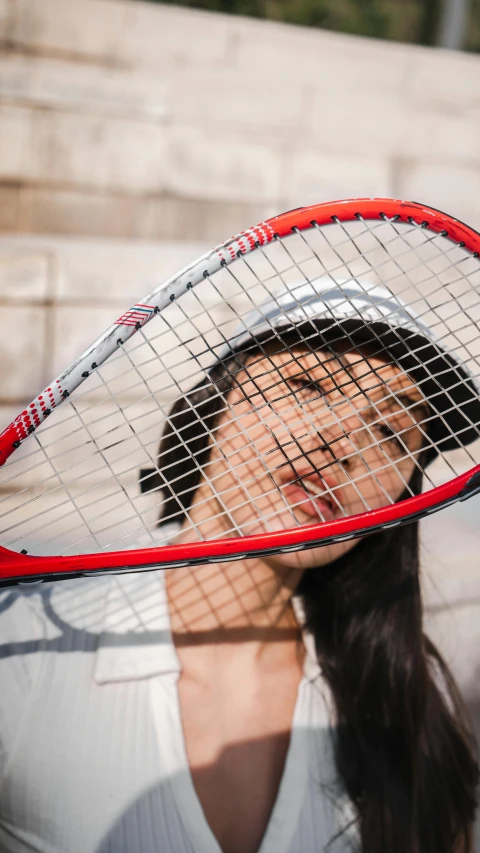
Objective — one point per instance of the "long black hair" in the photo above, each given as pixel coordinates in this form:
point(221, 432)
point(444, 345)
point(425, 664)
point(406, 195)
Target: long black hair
point(404, 750)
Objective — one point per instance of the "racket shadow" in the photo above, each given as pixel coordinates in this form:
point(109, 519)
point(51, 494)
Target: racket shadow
point(70, 638)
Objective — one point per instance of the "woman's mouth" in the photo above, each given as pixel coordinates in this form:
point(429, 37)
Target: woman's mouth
point(308, 495)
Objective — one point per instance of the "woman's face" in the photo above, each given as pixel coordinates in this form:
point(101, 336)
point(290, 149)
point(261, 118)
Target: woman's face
point(309, 437)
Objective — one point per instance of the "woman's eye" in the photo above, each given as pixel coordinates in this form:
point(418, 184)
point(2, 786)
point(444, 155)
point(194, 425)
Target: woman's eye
point(306, 386)
point(388, 432)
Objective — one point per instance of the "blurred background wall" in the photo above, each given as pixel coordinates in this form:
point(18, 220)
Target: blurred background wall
point(134, 135)
point(142, 120)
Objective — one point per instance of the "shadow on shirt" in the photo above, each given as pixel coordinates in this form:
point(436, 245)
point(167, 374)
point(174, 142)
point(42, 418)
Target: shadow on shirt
point(168, 818)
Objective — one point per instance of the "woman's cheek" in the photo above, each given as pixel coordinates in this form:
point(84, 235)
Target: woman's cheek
point(393, 481)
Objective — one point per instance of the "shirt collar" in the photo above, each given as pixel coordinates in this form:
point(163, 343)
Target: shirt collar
point(135, 639)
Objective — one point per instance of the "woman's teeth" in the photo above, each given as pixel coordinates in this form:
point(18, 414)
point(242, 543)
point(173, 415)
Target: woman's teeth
point(314, 489)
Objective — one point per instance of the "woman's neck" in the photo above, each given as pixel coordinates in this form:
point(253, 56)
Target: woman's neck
point(242, 609)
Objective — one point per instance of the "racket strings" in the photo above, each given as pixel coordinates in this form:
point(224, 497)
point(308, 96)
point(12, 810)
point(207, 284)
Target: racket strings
point(259, 457)
point(168, 484)
point(263, 517)
point(152, 526)
point(430, 239)
point(88, 476)
point(77, 509)
point(435, 309)
point(60, 453)
point(207, 347)
point(301, 455)
point(366, 505)
point(434, 275)
point(326, 426)
point(353, 347)
point(99, 514)
point(347, 299)
point(266, 404)
point(422, 299)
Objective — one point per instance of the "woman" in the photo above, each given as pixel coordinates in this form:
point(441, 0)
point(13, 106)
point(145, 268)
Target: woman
point(289, 704)
point(301, 423)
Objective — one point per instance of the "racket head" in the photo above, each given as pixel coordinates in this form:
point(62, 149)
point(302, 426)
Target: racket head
point(380, 286)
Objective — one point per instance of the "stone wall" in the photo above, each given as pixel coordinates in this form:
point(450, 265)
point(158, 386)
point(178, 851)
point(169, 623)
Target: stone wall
point(138, 120)
point(122, 120)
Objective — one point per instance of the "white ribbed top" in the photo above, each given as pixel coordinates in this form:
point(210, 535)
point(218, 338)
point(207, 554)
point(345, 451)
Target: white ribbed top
point(92, 754)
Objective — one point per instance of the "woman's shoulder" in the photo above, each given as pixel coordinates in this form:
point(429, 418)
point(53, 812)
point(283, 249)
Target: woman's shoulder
point(19, 615)
point(34, 612)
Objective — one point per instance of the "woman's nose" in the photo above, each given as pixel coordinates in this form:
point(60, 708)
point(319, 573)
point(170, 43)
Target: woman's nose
point(342, 435)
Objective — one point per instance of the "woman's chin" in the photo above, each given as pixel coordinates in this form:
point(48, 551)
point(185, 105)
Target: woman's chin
point(277, 519)
point(282, 519)
point(313, 558)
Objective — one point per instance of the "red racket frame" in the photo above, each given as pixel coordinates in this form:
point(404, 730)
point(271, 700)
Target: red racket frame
point(21, 567)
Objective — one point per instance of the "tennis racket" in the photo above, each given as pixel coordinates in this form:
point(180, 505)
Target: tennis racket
point(285, 391)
